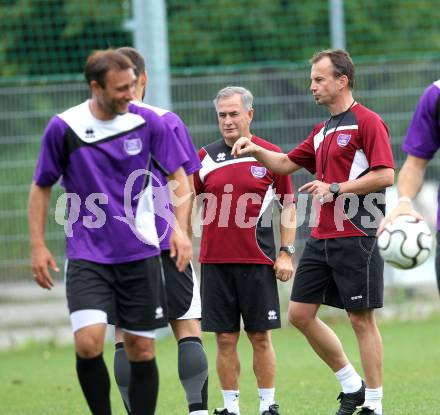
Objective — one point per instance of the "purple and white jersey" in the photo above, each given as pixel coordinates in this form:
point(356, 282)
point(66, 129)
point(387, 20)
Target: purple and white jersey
point(104, 165)
point(423, 135)
point(162, 205)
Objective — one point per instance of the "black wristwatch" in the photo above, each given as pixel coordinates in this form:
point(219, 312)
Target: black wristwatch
point(335, 188)
point(289, 249)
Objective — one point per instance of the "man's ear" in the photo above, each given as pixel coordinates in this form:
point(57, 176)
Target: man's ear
point(343, 80)
point(95, 87)
point(143, 78)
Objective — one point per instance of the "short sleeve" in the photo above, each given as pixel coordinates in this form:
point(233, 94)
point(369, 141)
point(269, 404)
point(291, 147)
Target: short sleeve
point(376, 142)
point(181, 131)
point(304, 154)
point(52, 158)
point(166, 149)
point(423, 135)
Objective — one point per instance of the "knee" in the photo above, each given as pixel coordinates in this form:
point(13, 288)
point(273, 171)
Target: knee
point(361, 321)
point(299, 318)
point(185, 328)
point(139, 349)
point(261, 340)
point(227, 341)
point(88, 346)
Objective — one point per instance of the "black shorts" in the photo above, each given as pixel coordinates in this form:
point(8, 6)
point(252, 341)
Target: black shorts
point(132, 293)
point(340, 272)
point(183, 294)
point(233, 290)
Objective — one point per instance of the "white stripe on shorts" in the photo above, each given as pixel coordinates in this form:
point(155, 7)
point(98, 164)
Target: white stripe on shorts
point(149, 334)
point(84, 318)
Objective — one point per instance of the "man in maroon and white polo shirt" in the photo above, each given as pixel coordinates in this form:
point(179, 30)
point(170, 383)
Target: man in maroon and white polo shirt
point(350, 154)
point(240, 264)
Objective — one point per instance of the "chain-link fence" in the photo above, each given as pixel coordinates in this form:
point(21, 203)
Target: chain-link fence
point(263, 45)
point(284, 113)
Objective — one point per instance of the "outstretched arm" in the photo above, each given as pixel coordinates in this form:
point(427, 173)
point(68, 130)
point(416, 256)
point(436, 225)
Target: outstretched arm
point(42, 258)
point(279, 163)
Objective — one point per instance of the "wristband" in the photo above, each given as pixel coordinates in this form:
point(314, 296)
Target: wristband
point(404, 199)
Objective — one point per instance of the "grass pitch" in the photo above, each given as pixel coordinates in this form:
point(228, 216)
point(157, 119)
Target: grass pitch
point(41, 379)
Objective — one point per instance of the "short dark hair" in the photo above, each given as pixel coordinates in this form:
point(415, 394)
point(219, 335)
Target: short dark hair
point(137, 59)
point(102, 61)
point(342, 63)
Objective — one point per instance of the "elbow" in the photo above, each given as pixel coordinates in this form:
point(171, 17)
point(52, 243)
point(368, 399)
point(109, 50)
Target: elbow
point(388, 178)
point(284, 167)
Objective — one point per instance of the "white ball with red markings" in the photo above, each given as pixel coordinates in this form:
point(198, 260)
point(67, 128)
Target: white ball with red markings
point(406, 242)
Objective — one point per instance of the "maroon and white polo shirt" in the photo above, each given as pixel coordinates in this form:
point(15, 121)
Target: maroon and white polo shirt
point(346, 147)
point(237, 196)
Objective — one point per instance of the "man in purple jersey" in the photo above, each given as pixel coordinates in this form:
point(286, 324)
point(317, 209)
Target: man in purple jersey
point(183, 295)
point(421, 143)
point(103, 149)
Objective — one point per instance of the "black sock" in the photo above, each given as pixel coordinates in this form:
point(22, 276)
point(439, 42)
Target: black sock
point(121, 367)
point(95, 383)
point(193, 372)
point(143, 388)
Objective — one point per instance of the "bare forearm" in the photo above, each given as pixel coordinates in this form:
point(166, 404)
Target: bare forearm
point(182, 194)
point(279, 163)
point(373, 181)
point(288, 225)
point(410, 178)
point(409, 182)
point(38, 208)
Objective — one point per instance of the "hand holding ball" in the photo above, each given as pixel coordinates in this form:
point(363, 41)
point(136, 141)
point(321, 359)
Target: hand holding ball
point(406, 242)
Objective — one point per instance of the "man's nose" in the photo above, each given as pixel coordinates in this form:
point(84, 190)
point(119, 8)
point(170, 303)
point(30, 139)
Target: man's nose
point(131, 94)
point(228, 120)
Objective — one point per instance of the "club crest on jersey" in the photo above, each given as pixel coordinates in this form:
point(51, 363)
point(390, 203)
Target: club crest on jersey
point(221, 157)
point(343, 139)
point(258, 171)
point(90, 133)
point(133, 146)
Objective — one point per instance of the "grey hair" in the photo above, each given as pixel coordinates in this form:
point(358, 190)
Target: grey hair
point(246, 96)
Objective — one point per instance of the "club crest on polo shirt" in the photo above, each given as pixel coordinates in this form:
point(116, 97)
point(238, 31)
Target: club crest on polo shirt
point(258, 171)
point(343, 139)
point(221, 157)
point(133, 146)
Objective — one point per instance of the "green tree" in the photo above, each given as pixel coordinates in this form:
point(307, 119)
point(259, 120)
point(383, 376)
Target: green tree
point(42, 37)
